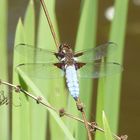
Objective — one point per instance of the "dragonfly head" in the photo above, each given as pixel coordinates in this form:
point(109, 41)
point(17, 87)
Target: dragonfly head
point(65, 53)
point(64, 49)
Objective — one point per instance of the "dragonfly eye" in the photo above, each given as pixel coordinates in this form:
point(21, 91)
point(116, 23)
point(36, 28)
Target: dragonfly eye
point(63, 51)
point(61, 47)
point(64, 48)
point(60, 55)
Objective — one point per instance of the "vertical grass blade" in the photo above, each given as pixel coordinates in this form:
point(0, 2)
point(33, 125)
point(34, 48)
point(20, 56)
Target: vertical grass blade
point(100, 107)
point(108, 134)
point(113, 84)
point(109, 90)
point(4, 120)
point(29, 30)
point(21, 115)
point(54, 90)
point(29, 24)
point(16, 111)
point(86, 38)
point(35, 111)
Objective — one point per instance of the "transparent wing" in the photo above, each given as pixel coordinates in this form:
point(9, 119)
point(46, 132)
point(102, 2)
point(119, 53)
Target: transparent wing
point(95, 53)
point(96, 70)
point(38, 54)
point(40, 70)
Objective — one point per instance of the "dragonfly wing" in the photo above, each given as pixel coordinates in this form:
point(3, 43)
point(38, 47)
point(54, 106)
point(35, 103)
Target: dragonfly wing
point(99, 69)
point(95, 53)
point(35, 54)
point(40, 70)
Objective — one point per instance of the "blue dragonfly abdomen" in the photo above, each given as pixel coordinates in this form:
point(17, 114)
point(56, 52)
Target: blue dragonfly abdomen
point(72, 81)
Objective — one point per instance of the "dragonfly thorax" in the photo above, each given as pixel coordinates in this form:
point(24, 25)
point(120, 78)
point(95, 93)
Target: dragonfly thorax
point(65, 55)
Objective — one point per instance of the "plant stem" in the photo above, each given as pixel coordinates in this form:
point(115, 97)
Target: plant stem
point(50, 23)
point(81, 109)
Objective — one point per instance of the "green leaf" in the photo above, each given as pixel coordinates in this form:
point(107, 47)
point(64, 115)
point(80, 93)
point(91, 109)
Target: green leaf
point(108, 134)
point(108, 97)
point(31, 111)
point(16, 111)
point(4, 118)
point(100, 107)
point(29, 24)
point(21, 120)
point(113, 83)
point(3, 40)
point(86, 38)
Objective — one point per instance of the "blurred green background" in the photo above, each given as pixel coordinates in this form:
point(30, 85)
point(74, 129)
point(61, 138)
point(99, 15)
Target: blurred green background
point(67, 14)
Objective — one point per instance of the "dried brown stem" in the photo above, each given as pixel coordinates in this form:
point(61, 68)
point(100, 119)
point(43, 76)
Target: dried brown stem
point(50, 23)
point(81, 109)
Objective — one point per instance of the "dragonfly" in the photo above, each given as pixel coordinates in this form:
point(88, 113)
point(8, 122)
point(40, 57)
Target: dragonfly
point(65, 62)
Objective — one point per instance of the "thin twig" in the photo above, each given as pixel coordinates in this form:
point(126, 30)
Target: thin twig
point(50, 23)
point(86, 125)
point(18, 88)
point(81, 109)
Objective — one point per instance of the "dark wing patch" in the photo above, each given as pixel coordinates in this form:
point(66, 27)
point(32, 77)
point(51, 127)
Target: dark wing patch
point(60, 65)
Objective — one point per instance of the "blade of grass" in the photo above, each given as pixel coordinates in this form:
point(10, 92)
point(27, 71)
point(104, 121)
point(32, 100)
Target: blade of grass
point(29, 29)
point(100, 107)
point(71, 107)
point(22, 113)
point(29, 24)
point(4, 120)
point(16, 111)
point(54, 90)
point(108, 134)
point(109, 92)
point(113, 84)
point(86, 38)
